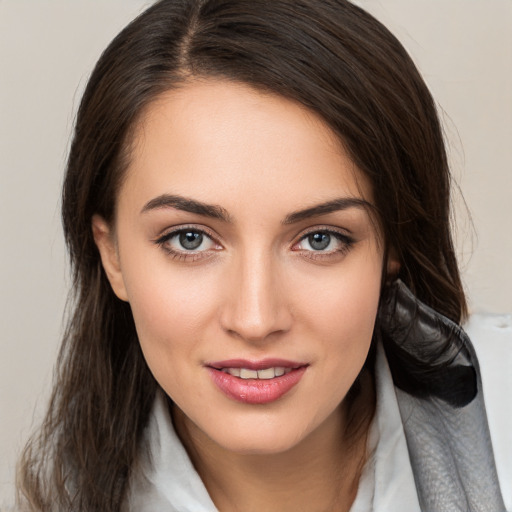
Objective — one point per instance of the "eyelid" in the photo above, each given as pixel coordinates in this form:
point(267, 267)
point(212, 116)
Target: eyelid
point(331, 230)
point(168, 232)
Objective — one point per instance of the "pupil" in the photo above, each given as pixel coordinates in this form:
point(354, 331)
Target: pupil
point(190, 240)
point(319, 241)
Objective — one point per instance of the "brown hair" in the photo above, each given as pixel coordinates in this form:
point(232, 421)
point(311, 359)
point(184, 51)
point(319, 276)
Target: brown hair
point(328, 55)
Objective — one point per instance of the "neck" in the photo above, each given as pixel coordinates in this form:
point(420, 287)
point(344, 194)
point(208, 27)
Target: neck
point(321, 473)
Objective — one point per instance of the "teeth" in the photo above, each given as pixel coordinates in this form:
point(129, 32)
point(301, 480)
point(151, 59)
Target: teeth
point(269, 373)
point(266, 374)
point(248, 374)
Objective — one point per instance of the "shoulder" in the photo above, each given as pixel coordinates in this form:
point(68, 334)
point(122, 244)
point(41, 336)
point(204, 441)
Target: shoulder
point(492, 338)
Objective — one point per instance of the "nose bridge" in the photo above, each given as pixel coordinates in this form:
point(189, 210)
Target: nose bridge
point(255, 308)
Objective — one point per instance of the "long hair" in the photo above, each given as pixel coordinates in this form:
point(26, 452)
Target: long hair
point(329, 56)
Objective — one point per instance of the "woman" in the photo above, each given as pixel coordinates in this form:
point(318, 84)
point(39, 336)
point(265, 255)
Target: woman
point(252, 191)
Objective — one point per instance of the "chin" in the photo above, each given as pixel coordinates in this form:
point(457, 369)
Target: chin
point(258, 442)
point(271, 432)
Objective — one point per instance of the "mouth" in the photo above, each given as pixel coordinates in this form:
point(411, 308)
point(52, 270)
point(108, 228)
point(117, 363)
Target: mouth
point(258, 382)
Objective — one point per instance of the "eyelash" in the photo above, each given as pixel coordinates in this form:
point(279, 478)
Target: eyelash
point(195, 255)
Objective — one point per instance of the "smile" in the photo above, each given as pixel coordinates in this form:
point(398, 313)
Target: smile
point(260, 382)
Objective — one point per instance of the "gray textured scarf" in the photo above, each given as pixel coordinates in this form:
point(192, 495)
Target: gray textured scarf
point(435, 369)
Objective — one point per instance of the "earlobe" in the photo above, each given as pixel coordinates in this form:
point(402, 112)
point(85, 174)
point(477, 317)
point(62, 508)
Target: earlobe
point(105, 242)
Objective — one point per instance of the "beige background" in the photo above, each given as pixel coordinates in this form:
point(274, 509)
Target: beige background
point(47, 49)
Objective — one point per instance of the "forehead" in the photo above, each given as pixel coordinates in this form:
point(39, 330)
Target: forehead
point(215, 139)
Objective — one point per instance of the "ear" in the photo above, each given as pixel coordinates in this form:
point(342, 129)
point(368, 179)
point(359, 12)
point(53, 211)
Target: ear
point(105, 241)
point(392, 265)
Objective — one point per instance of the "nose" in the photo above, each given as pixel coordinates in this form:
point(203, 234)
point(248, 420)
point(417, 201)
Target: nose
point(256, 308)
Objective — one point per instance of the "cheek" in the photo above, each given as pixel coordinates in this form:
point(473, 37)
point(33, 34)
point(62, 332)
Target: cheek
point(342, 310)
point(172, 310)
point(347, 297)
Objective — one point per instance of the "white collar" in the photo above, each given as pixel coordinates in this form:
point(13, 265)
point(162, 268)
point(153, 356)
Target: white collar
point(165, 479)
point(387, 482)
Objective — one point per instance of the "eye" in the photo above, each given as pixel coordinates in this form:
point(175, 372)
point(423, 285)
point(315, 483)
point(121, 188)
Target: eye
point(187, 243)
point(324, 242)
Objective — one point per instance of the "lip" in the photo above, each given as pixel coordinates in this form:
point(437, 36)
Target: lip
point(255, 365)
point(255, 391)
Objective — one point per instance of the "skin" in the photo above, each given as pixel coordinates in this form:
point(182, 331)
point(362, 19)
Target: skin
point(254, 289)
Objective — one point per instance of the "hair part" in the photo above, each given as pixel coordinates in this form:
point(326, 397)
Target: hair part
point(330, 56)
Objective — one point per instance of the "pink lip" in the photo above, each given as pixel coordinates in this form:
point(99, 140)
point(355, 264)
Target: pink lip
point(255, 365)
point(255, 391)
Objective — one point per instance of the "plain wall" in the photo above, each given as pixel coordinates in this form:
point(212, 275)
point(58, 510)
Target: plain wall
point(47, 50)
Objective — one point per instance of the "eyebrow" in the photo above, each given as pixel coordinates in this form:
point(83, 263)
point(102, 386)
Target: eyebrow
point(218, 212)
point(187, 205)
point(342, 203)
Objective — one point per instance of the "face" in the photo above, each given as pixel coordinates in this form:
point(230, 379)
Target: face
point(243, 243)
